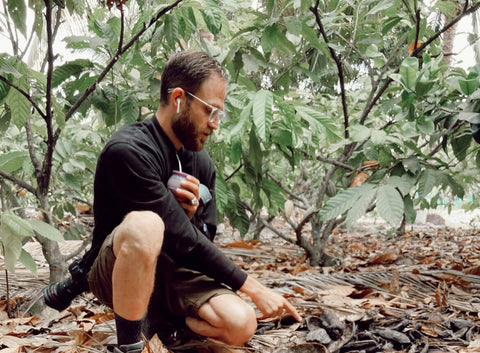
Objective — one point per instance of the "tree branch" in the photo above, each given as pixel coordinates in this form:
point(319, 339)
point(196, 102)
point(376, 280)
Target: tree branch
point(446, 27)
point(18, 181)
point(115, 58)
point(25, 94)
point(9, 28)
point(338, 62)
point(44, 176)
point(31, 147)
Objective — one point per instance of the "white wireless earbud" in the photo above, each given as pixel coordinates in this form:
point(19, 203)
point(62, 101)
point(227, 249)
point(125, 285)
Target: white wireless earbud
point(178, 105)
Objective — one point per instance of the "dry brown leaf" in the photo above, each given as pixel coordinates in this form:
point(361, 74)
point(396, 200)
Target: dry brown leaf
point(441, 295)
point(155, 346)
point(359, 178)
point(384, 259)
point(429, 331)
point(473, 270)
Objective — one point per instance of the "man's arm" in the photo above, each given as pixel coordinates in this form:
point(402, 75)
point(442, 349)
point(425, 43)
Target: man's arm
point(270, 303)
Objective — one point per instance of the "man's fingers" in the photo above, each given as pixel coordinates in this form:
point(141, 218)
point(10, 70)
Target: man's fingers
point(293, 311)
point(287, 306)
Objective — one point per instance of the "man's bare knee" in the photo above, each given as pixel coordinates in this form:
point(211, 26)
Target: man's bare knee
point(243, 325)
point(238, 319)
point(140, 232)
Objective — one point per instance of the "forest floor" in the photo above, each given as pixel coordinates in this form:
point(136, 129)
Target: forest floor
point(419, 292)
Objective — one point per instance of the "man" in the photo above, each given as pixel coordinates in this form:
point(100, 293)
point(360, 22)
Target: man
point(153, 256)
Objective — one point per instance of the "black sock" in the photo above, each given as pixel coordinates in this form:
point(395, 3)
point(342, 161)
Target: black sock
point(128, 331)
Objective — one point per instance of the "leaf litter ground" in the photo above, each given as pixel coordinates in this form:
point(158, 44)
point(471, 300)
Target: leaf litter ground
point(419, 292)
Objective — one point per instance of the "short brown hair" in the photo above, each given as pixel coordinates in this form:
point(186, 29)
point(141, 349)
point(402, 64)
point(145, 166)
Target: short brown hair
point(188, 70)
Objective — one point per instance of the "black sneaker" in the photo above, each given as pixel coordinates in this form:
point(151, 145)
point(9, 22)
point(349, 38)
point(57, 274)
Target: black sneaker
point(128, 348)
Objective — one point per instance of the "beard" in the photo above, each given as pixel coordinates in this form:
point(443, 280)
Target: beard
point(187, 131)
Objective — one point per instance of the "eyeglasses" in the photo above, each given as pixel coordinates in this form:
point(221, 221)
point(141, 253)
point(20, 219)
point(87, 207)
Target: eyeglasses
point(215, 113)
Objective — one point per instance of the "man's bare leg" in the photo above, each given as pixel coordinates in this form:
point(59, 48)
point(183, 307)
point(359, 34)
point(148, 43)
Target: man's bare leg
point(136, 245)
point(226, 318)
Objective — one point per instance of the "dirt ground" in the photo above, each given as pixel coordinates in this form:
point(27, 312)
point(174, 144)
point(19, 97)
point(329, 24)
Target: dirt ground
point(419, 292)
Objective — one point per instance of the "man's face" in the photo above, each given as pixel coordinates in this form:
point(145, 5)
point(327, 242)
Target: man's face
point(191, 125)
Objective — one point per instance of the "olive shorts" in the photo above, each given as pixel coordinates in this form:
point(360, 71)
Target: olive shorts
point(178, 292)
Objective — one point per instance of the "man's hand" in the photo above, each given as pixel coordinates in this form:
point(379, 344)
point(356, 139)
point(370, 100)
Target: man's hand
point(188, 193)
point(271, 304)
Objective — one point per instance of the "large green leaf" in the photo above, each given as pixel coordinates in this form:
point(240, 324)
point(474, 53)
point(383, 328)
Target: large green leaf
point(408, 72)
point(18, 226)
point(69, 69)
point(460, 145)
point(19, 107)
point(360, 207)
point(13, 161)
point(28, 261)
point(18, 13)
point(12, 244)
point(213, 19)
point(390, 204)
point(46, 230)
point(344, 200)
point(320, 122)
point(221, 193)
point(428, 179)
point(170, 28)
point(129, 109)
point(262, 113)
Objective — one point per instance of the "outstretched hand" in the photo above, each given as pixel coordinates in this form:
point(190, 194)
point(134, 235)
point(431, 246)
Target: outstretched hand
point(270, 303)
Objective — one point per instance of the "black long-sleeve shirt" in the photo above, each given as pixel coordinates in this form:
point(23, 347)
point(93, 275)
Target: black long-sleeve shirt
point(131, 175)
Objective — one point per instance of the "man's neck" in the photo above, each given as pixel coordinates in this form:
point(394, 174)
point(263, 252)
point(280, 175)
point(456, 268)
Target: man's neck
point(164, 118)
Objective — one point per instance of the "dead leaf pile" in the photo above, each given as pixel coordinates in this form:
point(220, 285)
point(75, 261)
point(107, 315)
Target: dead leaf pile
point(414, 293)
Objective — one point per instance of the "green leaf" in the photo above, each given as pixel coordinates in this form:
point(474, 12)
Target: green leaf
point(359, 133)
point(18, 13)
point(46, 230)
point(408, 72)
point(213, 19)
point(378, 137)
point(410, 213)
point(12, 244)
point(241, 126)
point(360, 208)
point(19, 107)
point(426, 182)
point(17, 225)
point(221, 193)
point(28, 261)
point(5, 118)
point(4, 89)
point(320, 122)
point(460, 146)
point(171, 29)
point(343, 201)
point(412, 164)
point(129, 109)
point(382, 5)
point(468, 86)
point(13, 161)
point(67, 70)
point(423, 87)
point(404, 183)
point(262, 113)
point(390, 204)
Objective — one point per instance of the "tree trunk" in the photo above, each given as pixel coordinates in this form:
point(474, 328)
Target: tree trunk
point(449, 38)
point(50, 248)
